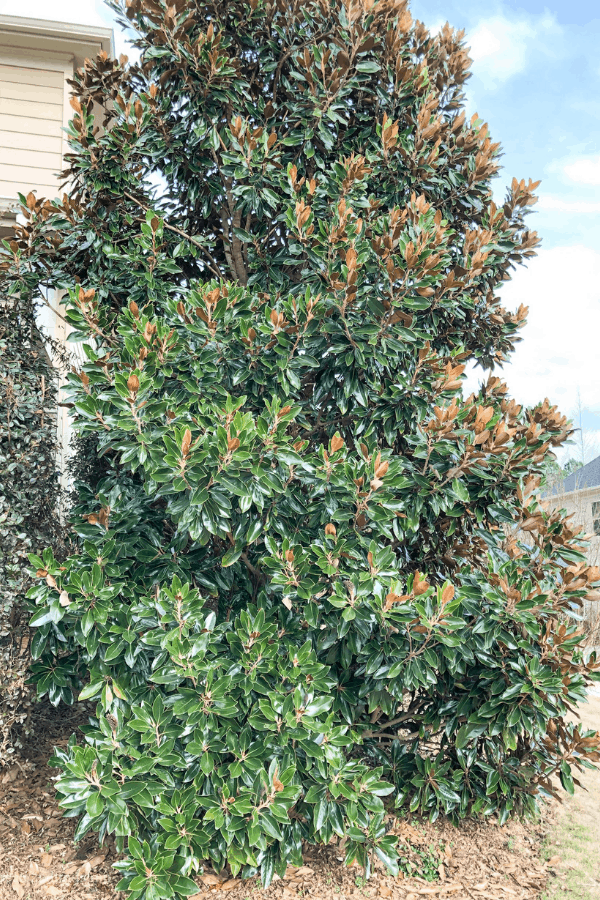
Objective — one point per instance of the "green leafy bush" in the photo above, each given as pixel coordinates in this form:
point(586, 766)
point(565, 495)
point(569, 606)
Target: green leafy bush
point(298, 601)
point(29, 494)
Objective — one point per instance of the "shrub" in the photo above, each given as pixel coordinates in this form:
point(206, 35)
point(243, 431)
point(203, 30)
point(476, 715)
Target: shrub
point(295, 602)
point(29, 495)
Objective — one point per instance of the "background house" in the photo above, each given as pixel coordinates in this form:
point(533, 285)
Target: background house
point(36, 59)
point(579, 493)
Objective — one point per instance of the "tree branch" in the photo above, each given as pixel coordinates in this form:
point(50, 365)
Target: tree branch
point(251, 568)
point(214, 267)
point(55, 311)
point(396, 721)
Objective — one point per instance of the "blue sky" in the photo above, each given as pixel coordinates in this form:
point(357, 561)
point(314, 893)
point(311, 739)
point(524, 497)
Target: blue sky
point(536, 81)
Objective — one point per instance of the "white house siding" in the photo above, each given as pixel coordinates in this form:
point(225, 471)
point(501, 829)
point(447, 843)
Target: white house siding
point(33, 92)
point(37, 58)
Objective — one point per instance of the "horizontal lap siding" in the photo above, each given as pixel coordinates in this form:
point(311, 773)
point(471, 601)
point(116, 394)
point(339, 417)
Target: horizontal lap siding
point(13, 140)
point(31, 136)
point(36, 93)
point(10, 190)
point(26, 75)
point(26, 174)
point(31, 109)
point(37, 159)
point(30, 128)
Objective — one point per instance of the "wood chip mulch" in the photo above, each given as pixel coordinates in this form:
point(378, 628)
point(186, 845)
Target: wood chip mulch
point(38, 859)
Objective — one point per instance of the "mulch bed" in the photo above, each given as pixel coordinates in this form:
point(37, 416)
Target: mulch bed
point(38, 859)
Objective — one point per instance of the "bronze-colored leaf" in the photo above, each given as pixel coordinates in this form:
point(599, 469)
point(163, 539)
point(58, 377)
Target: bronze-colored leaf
point(186, 442)
point(337, 443)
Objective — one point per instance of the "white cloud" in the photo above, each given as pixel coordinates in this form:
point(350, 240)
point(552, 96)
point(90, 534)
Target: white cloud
point(552, 202)
point(436, 25)
point(559, 355)
point(501, 47)
point(584, 171)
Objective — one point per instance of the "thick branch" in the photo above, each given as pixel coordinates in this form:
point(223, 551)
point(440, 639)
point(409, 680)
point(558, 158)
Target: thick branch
point(251, 568)
point(407, 715)
point(237, 250)
point(227, 243)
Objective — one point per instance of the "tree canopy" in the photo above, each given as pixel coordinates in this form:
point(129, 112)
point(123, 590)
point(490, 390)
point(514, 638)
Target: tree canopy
point(302, 596)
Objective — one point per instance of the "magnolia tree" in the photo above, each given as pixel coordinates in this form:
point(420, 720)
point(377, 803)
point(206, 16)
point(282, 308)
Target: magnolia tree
point(298, 602)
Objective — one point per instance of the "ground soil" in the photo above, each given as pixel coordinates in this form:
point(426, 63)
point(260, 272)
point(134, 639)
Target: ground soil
point(572, 845)
point(38, 859)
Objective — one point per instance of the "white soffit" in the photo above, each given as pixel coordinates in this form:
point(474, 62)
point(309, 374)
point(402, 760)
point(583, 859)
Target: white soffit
point(43, 36)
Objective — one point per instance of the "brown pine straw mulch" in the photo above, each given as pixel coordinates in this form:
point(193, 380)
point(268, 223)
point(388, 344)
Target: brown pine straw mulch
point(38, 859)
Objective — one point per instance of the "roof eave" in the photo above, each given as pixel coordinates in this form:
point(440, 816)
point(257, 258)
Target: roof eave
point(63, 31)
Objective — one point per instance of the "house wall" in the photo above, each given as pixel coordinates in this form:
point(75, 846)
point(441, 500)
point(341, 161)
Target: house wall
point(584, 506)
point(36, 60)
point(32, 115)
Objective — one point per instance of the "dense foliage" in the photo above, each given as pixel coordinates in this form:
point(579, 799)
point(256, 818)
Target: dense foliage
point(297, 602)
point(29, 493)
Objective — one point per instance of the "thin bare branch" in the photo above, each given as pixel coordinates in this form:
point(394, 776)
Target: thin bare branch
point(214, 266)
